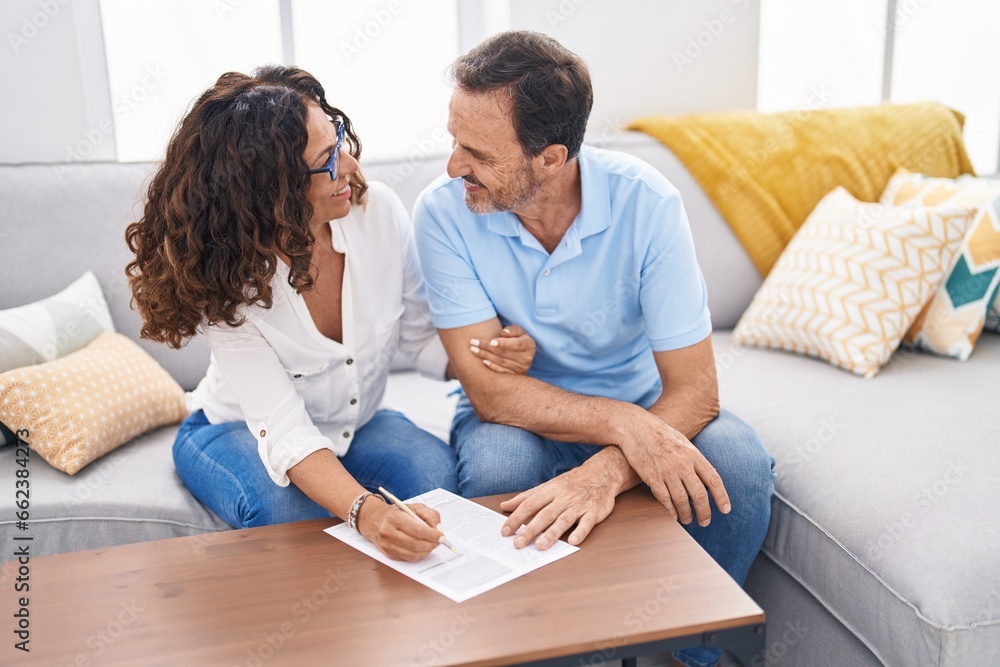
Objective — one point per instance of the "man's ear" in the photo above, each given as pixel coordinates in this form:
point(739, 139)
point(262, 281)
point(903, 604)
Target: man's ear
point(552, 158)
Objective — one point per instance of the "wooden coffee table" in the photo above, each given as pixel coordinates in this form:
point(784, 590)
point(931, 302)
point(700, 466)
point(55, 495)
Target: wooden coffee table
point(293, 595)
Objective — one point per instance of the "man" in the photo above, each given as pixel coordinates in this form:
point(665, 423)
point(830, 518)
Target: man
point(590, 251)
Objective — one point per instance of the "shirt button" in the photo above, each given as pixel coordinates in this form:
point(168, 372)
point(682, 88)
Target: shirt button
point(347, 434)
point(297, 376)
point(350, 361)
point(354, 401)
point(263, 433)
point(548, 271)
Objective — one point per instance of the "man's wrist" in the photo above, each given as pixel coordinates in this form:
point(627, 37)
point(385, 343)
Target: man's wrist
point(612, 469)
point(622, 422)
point(624, 473)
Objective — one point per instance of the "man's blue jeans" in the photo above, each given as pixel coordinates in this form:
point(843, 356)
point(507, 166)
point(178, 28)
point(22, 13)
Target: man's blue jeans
point(220, 465)
point(493, 458)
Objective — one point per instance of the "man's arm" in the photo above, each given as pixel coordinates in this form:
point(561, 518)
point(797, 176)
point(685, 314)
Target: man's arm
point(689, 402)
point(583, 496)
point(648, 446)
point(527, 403)
point(690, 398)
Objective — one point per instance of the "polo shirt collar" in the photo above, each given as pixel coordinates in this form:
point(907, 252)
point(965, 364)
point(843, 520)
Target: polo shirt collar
point(505, 224)
point(595, 211)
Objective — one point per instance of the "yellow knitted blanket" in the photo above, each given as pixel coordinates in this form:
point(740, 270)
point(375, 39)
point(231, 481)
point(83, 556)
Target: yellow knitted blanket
point(766, 172)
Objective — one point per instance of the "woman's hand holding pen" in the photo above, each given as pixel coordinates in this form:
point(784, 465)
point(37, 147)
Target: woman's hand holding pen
point(395, 533)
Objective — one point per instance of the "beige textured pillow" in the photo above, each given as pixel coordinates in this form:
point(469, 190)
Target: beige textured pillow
point(853, 279)
point(82, 406)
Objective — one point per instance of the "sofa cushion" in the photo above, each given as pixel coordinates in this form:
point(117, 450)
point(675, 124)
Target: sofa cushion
point(953, 320)
point(885, 493)
point(131, 495)
point(853, 279)
point(53, 327)
point(80, 407)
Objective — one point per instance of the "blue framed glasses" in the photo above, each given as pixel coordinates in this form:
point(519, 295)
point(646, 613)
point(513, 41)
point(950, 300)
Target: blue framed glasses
point(332, 166)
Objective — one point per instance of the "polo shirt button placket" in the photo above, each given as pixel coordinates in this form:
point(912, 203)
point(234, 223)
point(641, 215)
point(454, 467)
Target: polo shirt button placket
point(546, 297)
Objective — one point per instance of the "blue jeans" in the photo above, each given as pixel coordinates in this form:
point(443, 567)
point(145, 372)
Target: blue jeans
point(493, 458)
point(219, 464)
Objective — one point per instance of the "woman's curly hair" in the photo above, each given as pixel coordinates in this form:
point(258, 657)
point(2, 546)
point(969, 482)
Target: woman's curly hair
point(230, 192)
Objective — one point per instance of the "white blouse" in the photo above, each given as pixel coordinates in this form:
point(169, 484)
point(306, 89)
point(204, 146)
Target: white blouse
point(299, 391)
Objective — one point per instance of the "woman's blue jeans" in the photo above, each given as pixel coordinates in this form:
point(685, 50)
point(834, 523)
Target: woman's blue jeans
point(493, 458)
point(220, 465)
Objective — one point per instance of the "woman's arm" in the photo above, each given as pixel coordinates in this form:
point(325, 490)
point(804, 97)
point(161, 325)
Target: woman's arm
point(292, 448)
point(323, 478)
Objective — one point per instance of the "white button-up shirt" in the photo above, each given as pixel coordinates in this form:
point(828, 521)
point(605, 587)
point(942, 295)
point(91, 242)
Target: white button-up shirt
point(299, 391)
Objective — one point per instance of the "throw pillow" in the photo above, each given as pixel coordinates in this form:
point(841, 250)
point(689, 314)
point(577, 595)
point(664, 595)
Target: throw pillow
point(52, 328)
point(852, 280)
point(953, 320)
point(90, 402)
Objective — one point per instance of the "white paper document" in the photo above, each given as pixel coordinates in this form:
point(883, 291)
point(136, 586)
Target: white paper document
point(485, 558)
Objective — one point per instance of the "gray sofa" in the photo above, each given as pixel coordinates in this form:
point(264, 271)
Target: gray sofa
point(883, 546)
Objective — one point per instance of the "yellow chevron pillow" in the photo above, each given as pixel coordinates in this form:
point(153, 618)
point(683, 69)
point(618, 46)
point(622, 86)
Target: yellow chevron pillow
point(952, 322)
point(853, 279)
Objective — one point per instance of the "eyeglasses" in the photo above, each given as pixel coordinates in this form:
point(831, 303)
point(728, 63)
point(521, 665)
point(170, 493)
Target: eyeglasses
point(332, 166)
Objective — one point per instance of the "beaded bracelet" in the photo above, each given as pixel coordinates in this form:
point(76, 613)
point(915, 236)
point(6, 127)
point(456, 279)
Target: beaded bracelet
point(352, 516)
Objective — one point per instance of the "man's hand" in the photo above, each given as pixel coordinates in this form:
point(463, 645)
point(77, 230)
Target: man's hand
point(511, 352)
point(673, 468)
point(584, 496)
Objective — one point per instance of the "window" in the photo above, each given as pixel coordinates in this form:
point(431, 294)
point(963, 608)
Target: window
point(383, 62)
point(163, 53)
point(948, 52)
point(945, 52)
point(836, 48)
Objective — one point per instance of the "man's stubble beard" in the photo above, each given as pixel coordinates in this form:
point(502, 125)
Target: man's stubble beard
point(520, 193)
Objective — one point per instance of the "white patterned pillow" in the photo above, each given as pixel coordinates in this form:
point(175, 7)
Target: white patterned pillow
point(55, 326)
point(852, 281)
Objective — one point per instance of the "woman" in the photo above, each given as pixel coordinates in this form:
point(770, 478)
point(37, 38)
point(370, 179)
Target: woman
point(261, 232)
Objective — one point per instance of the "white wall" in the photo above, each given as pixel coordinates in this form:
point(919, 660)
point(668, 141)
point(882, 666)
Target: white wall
point(49, 114)
point(650, 57)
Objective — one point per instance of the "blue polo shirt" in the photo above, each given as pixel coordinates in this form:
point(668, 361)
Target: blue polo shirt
point(623, 282)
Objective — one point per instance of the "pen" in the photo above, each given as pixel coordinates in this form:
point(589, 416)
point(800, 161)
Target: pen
point(401, 505)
